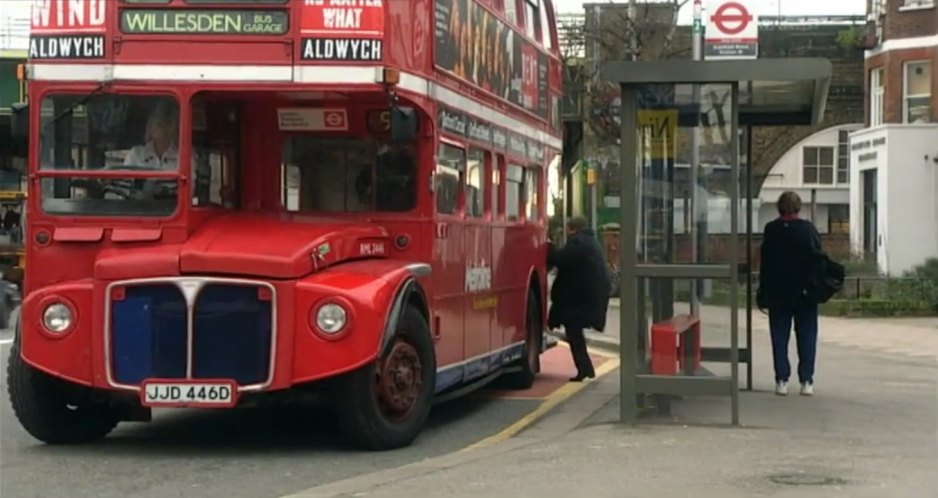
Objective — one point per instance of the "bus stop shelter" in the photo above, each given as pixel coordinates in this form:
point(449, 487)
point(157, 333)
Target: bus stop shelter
point(666, 106)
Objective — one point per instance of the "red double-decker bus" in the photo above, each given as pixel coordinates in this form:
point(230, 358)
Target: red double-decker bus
point(242, 200)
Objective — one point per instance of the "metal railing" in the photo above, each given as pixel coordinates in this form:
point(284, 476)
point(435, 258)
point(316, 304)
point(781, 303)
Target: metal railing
point(872, 286)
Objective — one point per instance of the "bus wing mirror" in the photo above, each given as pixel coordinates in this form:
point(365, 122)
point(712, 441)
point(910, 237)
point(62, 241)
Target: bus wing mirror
point(403, 124)
point(19, 127)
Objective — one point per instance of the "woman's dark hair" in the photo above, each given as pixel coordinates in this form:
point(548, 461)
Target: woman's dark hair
point(788, 203)
point(578, 223)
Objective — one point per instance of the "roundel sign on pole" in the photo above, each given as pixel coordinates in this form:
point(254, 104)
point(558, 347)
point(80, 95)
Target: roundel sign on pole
point(732, 30)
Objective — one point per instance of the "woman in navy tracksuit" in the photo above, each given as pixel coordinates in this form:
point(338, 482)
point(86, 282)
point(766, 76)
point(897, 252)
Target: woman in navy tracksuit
point(789, 245)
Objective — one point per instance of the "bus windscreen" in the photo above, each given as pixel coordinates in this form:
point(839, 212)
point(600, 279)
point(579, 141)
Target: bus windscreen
point(82, 134)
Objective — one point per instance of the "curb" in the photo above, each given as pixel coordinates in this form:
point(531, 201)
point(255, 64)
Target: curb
point(594, 340)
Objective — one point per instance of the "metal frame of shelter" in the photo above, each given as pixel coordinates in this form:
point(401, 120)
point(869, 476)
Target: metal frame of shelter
point(793, 92)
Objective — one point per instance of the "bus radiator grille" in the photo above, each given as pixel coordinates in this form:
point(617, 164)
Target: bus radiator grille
point(232, 334)
point(231, 337)
point(148, 334)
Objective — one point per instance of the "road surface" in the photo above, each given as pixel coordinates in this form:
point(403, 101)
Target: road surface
point(250, 453)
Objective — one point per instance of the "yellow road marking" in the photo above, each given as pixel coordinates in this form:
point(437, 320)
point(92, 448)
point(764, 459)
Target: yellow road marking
point(597, 352)
point(549, 403)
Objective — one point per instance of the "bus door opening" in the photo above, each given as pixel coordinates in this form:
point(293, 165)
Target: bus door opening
point(358, 168)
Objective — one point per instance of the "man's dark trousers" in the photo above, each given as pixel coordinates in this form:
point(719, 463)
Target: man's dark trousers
point(780, 321)
point(581, 358)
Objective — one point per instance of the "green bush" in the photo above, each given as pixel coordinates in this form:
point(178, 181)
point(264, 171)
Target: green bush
point(876, 308)
point(926, 275)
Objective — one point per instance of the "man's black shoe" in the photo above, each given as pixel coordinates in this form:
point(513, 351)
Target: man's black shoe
point(580, 377)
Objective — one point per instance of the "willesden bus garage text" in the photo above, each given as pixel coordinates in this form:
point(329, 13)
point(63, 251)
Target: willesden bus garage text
point(209, 22)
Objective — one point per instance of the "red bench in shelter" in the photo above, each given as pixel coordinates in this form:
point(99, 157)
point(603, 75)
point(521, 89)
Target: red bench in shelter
point(675, 345)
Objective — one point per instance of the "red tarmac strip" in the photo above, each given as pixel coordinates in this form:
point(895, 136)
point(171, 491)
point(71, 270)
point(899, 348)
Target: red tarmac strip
point(556, 370)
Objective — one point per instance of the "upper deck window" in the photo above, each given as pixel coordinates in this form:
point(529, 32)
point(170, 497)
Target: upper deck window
point(108, 132)
point(532, 19)
point(511, 11)
point(347, 175)
point(545, 29)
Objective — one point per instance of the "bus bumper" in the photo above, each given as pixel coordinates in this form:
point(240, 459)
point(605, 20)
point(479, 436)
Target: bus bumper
point(198, 341)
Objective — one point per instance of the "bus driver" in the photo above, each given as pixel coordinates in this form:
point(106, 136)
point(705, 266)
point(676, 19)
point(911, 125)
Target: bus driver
point(159, 150)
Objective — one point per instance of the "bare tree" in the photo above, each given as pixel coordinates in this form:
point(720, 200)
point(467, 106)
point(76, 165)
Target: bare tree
point(644, 30)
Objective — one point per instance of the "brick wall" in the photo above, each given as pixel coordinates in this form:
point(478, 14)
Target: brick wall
point(900, 24)
point(893, 65)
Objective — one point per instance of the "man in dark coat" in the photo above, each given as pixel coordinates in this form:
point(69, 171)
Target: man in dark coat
point(580, 294)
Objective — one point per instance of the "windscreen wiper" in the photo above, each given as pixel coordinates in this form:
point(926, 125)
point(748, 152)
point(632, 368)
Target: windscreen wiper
point(98, 89)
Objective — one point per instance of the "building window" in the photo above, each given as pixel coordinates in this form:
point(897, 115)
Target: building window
point(917, 4)
point(838, 219)
point(843, 157)
point(818, 165)
point(916, 94)
point(877, 91)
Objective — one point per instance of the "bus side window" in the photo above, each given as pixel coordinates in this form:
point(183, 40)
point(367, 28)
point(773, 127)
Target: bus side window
point(496, 166)
point(514, 179)
point(530, 193)
point(450, 164)
point(475, 184)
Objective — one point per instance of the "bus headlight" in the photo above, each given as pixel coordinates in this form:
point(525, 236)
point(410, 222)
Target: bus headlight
point(331, 318)
point(57, 318)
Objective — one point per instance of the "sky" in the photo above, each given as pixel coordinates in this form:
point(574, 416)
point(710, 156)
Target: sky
point(768, 7)
point(20, 9)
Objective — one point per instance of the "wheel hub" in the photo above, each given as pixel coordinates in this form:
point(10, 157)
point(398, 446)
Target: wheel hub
point(399, 380)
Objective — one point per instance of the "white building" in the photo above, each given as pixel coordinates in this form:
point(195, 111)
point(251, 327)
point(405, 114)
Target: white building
point(818, 170)
point(14, 28)
point(894, 195)
point(894, 185)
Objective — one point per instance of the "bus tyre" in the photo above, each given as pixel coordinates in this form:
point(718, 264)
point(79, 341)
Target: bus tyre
point(49, 411)
point(531, 355)
point(384, 405)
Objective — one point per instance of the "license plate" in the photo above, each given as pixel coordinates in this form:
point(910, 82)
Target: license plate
point(201, 393)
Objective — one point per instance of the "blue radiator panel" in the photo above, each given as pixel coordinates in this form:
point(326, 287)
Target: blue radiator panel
point(232, 334)
point(148, 334)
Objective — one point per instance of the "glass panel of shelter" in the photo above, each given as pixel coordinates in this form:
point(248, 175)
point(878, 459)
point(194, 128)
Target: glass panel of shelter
point(685, 219)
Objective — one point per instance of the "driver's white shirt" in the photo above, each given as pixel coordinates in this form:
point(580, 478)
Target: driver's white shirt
point(146, 156)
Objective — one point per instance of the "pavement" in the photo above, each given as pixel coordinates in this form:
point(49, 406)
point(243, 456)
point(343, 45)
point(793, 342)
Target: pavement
point(869, 431)
point(915, 337)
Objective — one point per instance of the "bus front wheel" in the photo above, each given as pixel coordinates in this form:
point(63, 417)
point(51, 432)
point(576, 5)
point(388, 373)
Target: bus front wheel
point(385, 404)
point(51, 410)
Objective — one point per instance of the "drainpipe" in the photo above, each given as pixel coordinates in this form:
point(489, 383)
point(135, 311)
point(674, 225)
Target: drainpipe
point(814, 206)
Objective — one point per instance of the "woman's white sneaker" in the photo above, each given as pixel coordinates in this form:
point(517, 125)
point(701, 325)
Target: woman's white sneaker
point(781, 388)
point(807, 389)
